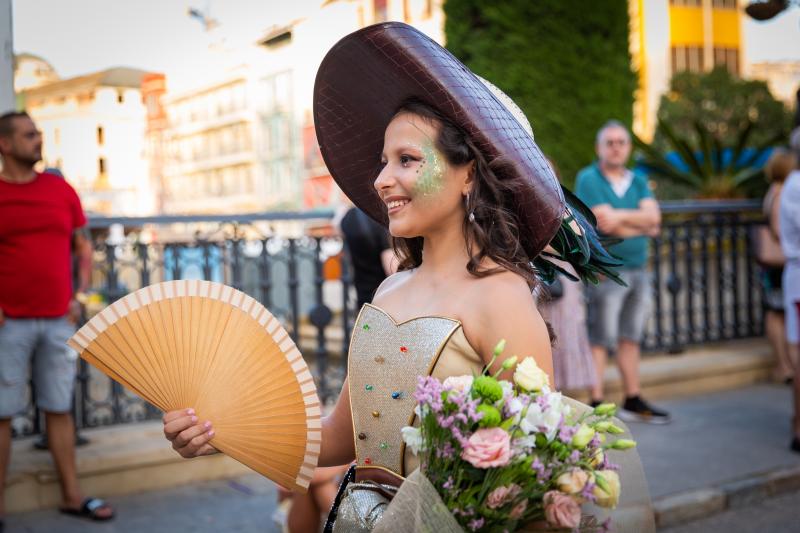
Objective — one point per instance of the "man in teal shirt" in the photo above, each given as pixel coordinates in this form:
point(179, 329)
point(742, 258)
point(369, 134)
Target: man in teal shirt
point(625, 208)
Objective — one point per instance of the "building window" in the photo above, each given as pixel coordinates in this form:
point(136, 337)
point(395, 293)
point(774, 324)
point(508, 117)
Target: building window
point(686, 3)
point(100, 136)
point(725, 4)
point(101, 165)
point(120, 97)
point(728, 57)
point(57, 135)
point(687, 58)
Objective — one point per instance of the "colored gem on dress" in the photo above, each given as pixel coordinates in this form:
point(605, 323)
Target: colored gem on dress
point(366, 327)
point(368, 387)
point(367, 461)
point(375, 414)
point(403, 349)
point(362, 436)
point(379, 359)
point(396, 395)
point(384, 445)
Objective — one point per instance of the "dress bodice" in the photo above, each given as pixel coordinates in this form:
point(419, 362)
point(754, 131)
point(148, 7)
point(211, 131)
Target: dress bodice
point(384, 361)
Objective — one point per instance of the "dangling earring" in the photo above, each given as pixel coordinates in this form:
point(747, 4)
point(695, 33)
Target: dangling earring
point(471, 216)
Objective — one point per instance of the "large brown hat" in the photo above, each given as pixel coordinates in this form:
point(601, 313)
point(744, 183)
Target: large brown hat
point(367, 75)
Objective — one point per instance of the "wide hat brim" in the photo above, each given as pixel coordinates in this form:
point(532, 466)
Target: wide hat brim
point(368, 74)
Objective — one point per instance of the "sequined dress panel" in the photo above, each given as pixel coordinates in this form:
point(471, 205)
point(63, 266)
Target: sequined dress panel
point(384, 361)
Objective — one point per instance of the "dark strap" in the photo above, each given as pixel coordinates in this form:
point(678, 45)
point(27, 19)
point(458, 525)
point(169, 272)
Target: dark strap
point(90, 505)
point(348, 478)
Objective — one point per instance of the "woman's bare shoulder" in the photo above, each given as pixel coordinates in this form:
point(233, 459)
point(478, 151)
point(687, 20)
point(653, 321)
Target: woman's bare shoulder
point(391, 284)
point(501, 306)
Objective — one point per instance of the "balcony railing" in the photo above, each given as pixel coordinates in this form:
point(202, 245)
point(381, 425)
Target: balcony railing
point(705, 285)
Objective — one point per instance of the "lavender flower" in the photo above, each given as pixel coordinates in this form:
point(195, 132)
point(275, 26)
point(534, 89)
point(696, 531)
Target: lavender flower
point(448, 484)
point(575, 456)
point(566, 433)
point(475, 524)
point(588, 492)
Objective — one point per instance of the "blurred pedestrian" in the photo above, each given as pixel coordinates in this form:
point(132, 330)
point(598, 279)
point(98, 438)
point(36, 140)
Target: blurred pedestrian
point(563, 306)
point(789, 227)
point(369, 251)
point(41, 220)
point(771, 260)
point(625, 208)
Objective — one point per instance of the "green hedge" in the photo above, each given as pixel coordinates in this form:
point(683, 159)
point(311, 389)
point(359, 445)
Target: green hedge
point(565, 63)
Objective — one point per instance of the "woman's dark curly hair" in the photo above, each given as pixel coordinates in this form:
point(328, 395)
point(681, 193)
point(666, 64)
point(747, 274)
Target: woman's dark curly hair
point(495, 232)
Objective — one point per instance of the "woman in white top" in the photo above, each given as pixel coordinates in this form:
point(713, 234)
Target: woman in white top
point(790, 243)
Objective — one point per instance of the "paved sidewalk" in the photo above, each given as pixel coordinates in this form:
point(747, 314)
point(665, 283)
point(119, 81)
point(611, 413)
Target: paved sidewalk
point(714, 439)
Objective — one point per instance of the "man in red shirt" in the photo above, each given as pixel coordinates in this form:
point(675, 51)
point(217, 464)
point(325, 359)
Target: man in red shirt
point(41, 219)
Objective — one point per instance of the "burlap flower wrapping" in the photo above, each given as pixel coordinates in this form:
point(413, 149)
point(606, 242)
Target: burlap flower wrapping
point(417, 507)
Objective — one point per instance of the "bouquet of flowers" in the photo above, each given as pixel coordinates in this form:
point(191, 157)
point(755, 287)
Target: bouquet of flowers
point(502, 454)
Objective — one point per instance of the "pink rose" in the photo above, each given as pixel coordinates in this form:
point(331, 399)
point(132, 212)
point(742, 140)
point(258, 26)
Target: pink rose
point(487, 448)
point(561, 510)
point(502, 495)
point(517, 512)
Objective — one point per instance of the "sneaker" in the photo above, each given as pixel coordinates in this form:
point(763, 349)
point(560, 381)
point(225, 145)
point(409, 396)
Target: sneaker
point(637, 410)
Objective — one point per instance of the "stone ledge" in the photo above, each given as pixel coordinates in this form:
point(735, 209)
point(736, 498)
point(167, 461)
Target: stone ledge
point(118, 460)
point(700, 370)
point(685, 507)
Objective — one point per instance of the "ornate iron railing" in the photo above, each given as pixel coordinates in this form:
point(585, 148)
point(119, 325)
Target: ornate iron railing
point(705, 285)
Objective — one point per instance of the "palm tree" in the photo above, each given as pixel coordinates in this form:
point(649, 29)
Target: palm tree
point(710, 168)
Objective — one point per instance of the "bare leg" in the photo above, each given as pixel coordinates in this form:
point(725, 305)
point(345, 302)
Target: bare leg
point(600, 356)
point(306, 509)
point(61, 439)
point(303, 514)
point(5, 454)
point(776, 333)
point(628, 361)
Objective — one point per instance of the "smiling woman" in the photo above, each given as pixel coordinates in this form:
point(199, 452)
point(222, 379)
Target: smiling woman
point(449, 164)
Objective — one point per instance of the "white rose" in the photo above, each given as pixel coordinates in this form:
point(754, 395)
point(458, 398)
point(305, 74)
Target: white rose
point(536, 420)
point(458, 383)
point(413, 438)
point(529, 376)
point(555, 402)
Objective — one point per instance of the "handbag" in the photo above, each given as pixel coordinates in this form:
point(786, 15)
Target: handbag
point(766, 247)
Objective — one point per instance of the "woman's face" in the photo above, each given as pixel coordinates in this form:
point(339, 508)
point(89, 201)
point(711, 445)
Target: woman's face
point(421, 190)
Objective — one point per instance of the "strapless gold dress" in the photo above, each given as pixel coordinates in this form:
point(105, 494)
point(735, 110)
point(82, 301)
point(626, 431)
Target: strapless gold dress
point(384, 361)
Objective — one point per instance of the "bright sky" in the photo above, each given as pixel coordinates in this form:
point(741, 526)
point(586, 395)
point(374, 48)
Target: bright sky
point(80, 36)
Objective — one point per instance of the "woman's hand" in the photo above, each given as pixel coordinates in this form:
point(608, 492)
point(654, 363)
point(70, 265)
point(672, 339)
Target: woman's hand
point(189, 437)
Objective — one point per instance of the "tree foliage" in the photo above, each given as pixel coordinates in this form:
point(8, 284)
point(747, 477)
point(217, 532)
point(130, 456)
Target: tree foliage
point(724, 105)
point(566, 64)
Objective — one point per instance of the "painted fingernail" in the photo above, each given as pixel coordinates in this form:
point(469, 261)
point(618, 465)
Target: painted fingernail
point(211, 433)
point(207, 425)
point(190, 411)
point(194, 419)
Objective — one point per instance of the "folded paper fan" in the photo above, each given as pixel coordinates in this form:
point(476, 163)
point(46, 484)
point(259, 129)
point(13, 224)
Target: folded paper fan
point(204, 345)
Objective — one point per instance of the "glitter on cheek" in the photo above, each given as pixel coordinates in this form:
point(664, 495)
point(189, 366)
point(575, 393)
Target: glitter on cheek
point(430, 174)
